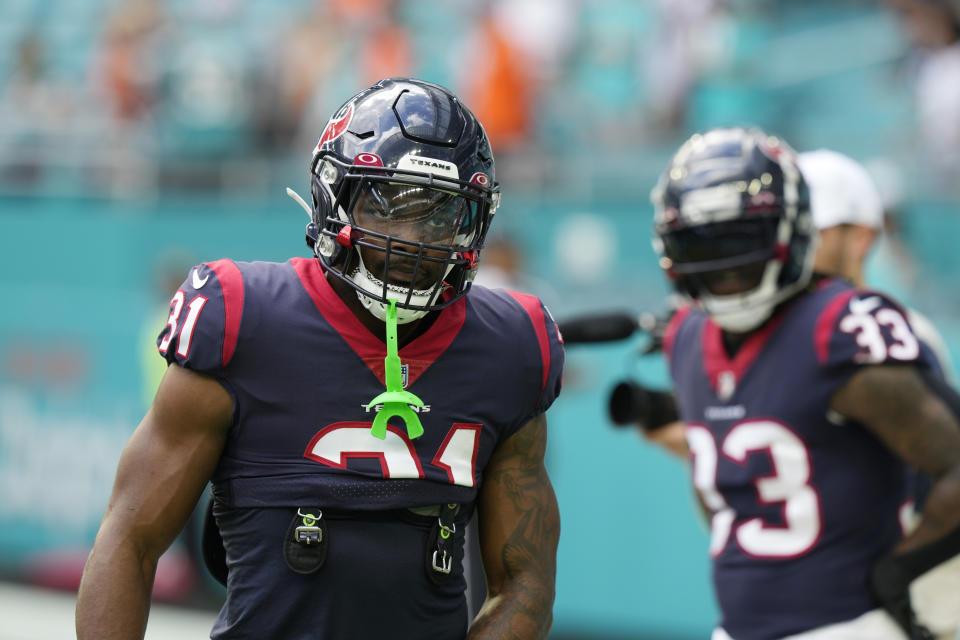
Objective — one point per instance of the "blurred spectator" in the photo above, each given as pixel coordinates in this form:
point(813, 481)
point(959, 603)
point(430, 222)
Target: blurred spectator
point(541, 30)
point(933, 27)
point(498, 83)
point(36, 111)
point(503, 266)
point(336, 46)
point(387, 49)
point(302, 58)
point(127, 74)
point(356, 12)
point(602, 102)
point(127, 63)
point(690, 38)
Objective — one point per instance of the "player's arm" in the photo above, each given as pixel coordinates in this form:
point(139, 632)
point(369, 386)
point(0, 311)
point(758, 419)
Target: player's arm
point(672, 437)
point(161, 474)
point(899, 408)
point(897, 405)
point(519, 532)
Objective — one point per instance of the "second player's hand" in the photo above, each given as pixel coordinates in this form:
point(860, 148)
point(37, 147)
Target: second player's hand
point(671, 436)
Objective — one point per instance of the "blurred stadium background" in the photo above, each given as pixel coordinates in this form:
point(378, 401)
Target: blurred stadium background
point(138, 137)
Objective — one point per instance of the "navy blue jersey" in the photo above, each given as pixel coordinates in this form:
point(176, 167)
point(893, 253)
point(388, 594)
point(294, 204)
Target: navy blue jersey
point(803, 501)
point(302, 369)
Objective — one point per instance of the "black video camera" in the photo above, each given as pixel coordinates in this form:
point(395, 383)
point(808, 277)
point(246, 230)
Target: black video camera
point(632, 403)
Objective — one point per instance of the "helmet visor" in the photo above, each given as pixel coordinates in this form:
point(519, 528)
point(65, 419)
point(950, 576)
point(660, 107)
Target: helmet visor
point(415, 213)
point(721, 245)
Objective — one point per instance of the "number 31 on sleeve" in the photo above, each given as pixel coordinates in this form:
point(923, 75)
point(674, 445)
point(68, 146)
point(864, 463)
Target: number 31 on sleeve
point(185, 335)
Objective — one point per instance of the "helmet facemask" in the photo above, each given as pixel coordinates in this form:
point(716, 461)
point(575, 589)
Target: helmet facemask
point(395, 234)
point(738, 271)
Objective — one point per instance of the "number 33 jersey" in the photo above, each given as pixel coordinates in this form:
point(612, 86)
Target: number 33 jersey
point(302, 371)
point(803, 501)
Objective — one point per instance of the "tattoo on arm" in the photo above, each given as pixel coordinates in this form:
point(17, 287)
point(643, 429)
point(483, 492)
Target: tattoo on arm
point(521, 521)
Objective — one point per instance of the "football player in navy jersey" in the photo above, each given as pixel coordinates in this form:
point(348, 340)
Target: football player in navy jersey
point(352, 410)
point(847, 211)
point(804, 399)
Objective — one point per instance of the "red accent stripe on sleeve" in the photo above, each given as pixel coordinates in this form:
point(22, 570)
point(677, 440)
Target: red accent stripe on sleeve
point(231, 283)
point(531, 304)
point(825, 322)
point(670, 333)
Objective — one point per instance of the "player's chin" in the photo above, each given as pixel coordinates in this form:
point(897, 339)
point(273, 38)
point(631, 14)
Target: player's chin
point(405, 273)
point(412, 276)
point(407, 281)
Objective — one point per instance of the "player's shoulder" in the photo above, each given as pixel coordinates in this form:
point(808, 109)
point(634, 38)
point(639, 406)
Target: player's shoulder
point(853, 325)
point(519, 324)
point(825, 292)
point(520, 335)
point(509, 311)
point(251, 273)
point(243, 282)
point(683, 326)
point(830, 300)
point(271, 270)
point(208, 311)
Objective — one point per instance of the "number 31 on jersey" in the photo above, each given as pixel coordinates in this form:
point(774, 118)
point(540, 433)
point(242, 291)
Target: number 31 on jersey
point(337, 443)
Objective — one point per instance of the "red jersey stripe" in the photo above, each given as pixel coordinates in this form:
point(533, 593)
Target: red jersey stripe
point(531, 304)
point(231, 283)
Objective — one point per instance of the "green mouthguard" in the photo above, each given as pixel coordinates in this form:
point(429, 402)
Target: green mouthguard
point(395, 401)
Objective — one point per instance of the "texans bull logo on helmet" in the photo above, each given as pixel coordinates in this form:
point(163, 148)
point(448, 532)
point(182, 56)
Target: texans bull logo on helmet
point(337, 126)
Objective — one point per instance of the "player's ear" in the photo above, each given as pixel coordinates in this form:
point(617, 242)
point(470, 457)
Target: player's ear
point(864, 238)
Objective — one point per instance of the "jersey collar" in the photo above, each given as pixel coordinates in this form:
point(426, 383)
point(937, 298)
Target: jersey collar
point(418, 354)
point(724, 372)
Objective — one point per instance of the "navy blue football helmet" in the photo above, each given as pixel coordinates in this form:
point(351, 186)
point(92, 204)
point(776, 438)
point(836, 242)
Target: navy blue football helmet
point(733, 226)
point(404, 192)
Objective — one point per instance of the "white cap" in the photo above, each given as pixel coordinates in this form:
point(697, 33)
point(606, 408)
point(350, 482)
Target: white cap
point(841, 191)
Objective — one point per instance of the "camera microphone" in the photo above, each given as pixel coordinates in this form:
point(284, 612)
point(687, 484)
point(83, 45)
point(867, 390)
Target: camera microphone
point(611, 326)
point(599, 327)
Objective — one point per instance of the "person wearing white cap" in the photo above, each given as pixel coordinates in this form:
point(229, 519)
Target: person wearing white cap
point(847, 211)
